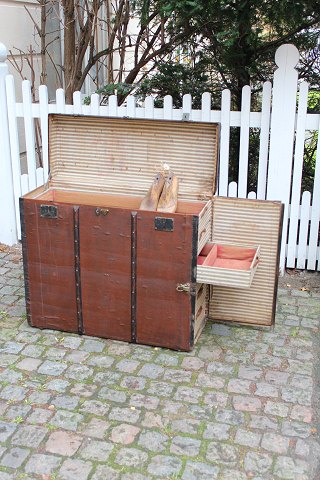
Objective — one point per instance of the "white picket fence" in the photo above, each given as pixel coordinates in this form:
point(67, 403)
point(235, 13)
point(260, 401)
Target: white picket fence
point(282, 127)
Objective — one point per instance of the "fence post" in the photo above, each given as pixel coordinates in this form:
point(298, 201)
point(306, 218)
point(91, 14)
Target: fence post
point(284, 101)
point(8, 221)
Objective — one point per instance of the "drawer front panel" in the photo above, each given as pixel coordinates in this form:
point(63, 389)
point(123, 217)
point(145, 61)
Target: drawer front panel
point(49, 257)
point(105, 271)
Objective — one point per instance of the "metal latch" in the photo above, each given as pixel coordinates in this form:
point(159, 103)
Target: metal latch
point(102, 211)
point(48, 211)
point(163, 224)
point(185, 117)
point(186, 288)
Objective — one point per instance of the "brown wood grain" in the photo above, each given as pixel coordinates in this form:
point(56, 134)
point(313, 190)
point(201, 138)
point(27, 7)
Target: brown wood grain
point(51, 273)
point(105, 259)
point(163, 261)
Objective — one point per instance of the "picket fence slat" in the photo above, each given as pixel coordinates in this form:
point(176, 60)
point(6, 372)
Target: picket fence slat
point(244, 142)
point(60, 101)
point(43, 100)
point(94, 104)
point(224, 142)
point(297, 175)
point(315, 213)
point(25, 184)
point(131, 106)
point(206, 107)
point(304, 226)
point(233, 189)
point(167, 107)
point(14, 146)
point(29, 134)
point(264, 141)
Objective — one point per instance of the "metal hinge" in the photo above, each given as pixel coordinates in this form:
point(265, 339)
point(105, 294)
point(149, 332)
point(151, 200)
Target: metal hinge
point(189, 288)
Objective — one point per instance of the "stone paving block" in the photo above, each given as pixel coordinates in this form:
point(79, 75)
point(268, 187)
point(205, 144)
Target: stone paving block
point(96, 450)
point(263, 423)
point(250, 372)
point(295, 429)
point(17, 411)
point(257, 463)
point(164, 466)
point(223, 454)
point(40, 416)
point(296, 395)
point(220, 369)
point(289, 469)
point(161, 389)
point(133, 383)
point(77, 356)
point(187, 425)
point(78, 372)
point(105, 472)
point(185, 446)
point(246, 403)
point(127, 366)
point(230, 416)
point(153, 441)
point(95, 407)
point(124, 434)
point(206, 380)
point(247, 438)
point(34, 351)
point(95, 428)
point(167, 360)
point(13, 393)
point(231, 474)
point(130, 415)
point(131, 457)
point(301, 413)
point(72, 469)
point(177, 376)
point(67, 420)
point(42, 464)
point(117, 396)
point(14, 457)
point(29, 364)
point(236, 385)
point(216, 399)
point(275, 443)
point(302, 448)
point(188, 394)
point(58, 385)
point(143, 401)
point(217, 431)
point(199, 471)
point(10, 376)
point(93, 345)
point(83, 390)
point(52, 368)
point(276, 408)
point(29, 436)
point(63, 443)
point(264, 389)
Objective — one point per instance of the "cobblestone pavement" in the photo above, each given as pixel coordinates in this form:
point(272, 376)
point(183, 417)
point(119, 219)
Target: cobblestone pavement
point(241, 406)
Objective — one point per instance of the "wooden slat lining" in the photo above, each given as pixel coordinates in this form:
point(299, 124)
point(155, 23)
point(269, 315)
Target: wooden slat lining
point(251, 222)
point(122, 155)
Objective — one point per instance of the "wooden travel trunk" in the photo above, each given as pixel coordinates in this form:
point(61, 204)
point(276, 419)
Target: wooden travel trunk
point(96, 264)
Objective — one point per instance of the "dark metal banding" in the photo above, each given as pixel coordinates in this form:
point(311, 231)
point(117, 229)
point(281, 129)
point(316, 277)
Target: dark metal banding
point(77, 268)
point(194, 257)
point(25, 260)
point(133, 277)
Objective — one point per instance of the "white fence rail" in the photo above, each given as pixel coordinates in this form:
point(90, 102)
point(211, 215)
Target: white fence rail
point(283, 130)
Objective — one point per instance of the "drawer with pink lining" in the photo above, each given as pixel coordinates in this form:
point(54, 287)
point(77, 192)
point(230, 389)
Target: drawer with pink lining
point(228, 265)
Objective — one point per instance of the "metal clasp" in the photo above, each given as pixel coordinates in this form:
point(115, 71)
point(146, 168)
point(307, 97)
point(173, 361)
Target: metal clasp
point(183, 287)
point(102, 211)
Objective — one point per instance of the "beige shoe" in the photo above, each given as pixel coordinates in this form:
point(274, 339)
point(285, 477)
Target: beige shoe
point(169, 197)
point(150, 201)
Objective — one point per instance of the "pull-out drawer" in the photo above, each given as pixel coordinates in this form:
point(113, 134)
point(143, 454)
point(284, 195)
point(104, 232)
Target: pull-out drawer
point(227, 265)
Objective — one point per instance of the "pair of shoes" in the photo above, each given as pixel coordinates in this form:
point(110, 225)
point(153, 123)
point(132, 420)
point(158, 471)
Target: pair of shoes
point(163, 194)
